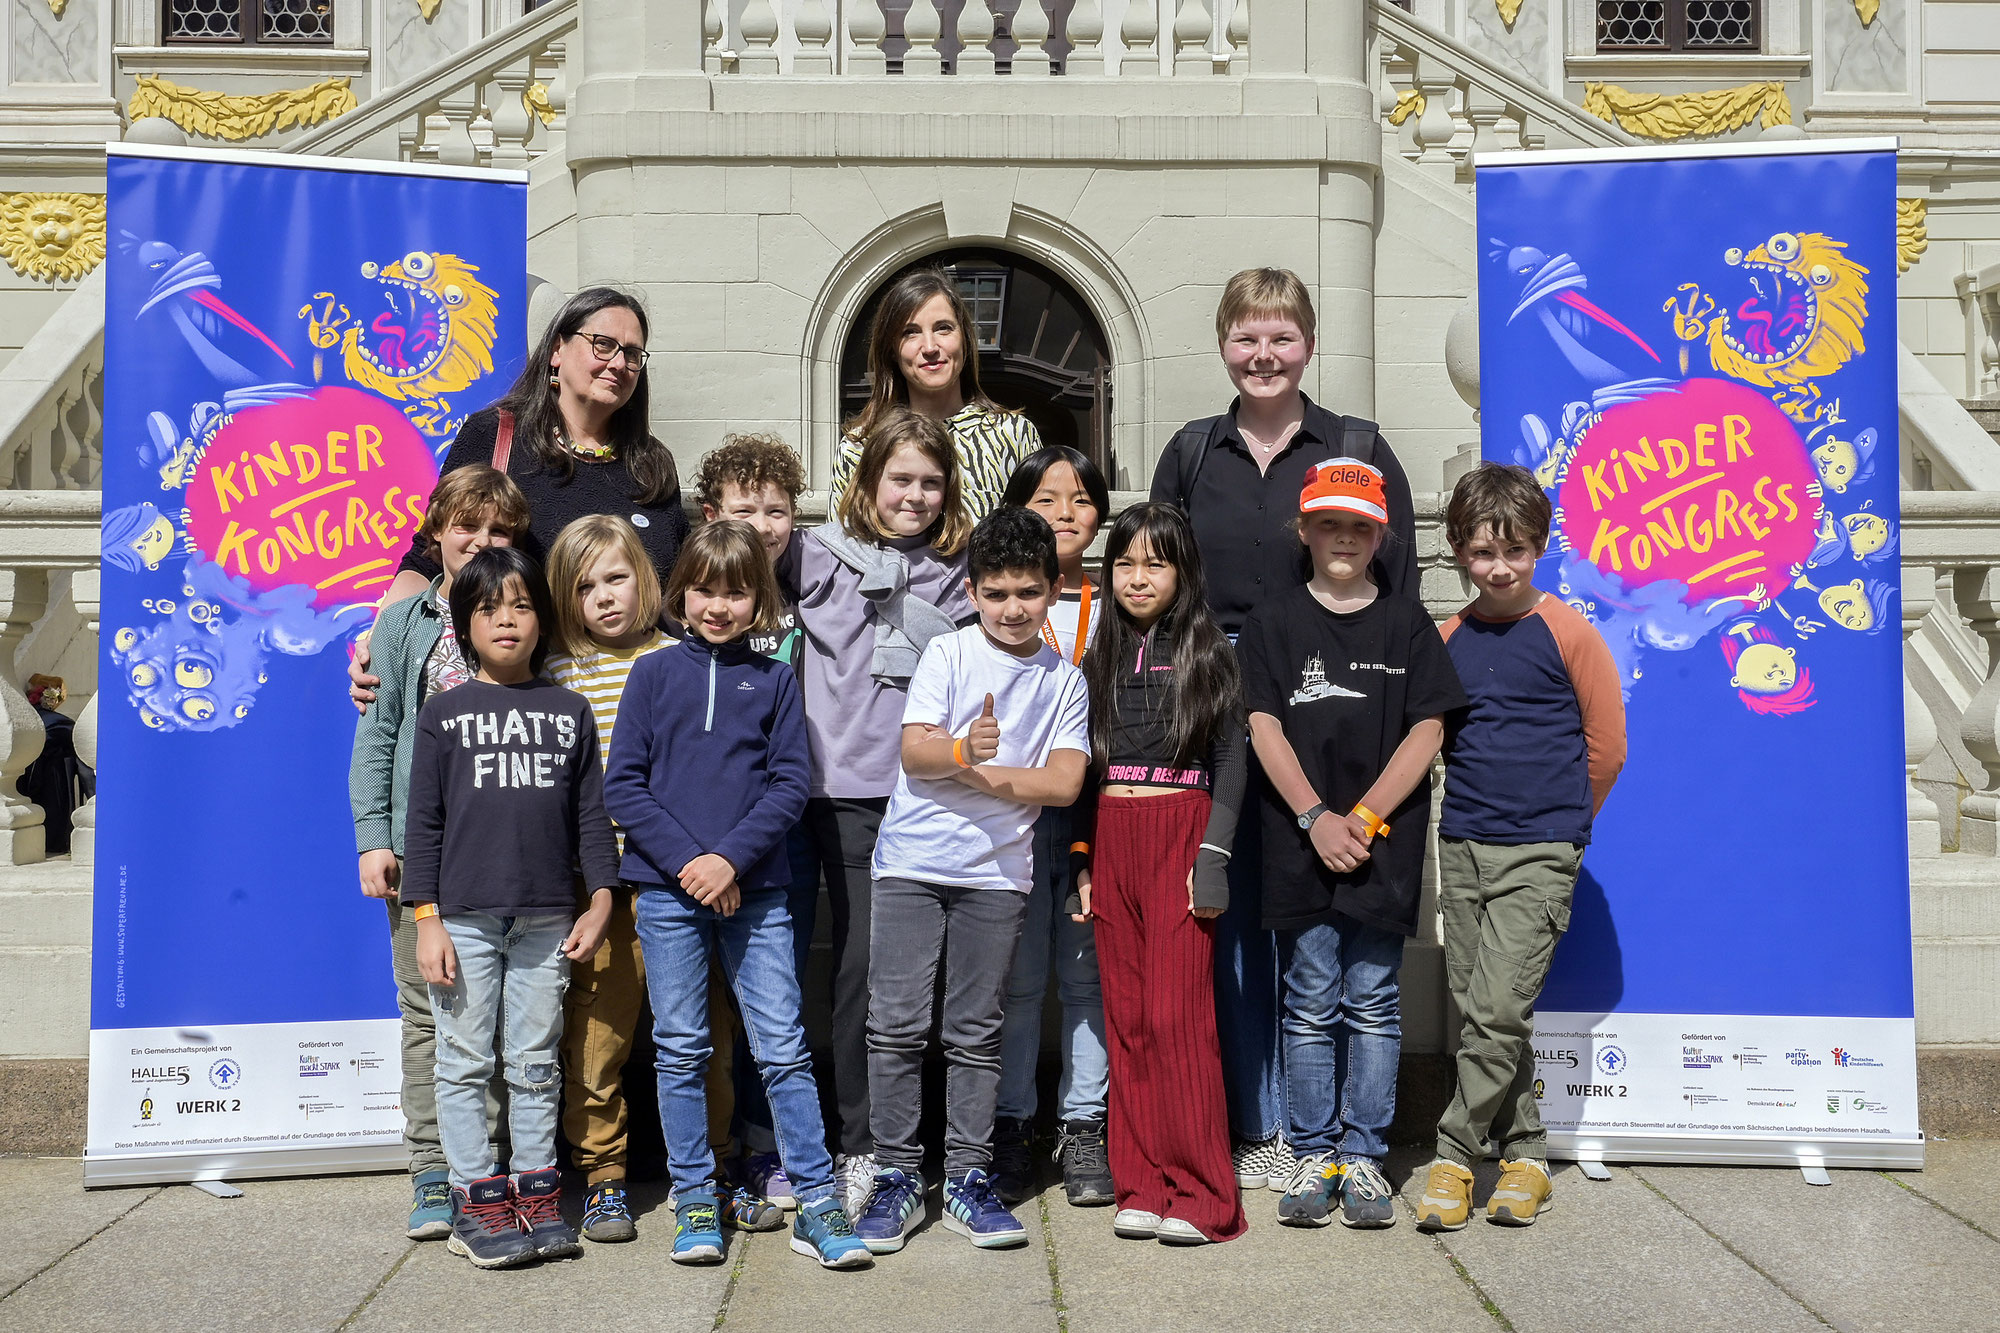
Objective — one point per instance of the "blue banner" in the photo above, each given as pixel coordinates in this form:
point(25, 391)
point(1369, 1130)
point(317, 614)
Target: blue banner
point(290, 348)
point(1695, 353)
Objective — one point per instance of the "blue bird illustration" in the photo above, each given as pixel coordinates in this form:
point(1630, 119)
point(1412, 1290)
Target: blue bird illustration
point(185, 287)
point(1551, 290)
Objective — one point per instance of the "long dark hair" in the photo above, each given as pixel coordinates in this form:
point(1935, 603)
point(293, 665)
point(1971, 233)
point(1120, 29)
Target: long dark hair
point(899, 305)
point(538, 422)
point(1207, 688)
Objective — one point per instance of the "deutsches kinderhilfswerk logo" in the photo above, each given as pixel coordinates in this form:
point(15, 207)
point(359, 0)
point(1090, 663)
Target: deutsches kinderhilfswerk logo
point(225, 1074)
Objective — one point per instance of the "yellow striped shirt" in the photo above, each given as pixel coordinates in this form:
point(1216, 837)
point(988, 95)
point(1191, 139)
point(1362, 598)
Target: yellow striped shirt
point(600, 678)
point(990, 445)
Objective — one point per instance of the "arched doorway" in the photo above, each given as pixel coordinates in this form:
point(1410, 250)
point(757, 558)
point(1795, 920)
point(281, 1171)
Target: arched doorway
point(1040, 348)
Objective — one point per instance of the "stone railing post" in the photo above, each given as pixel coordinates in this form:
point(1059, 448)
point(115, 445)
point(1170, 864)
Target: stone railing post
point(976, 30)
point(923, 26)
point(1193, 26)
point(1977, 591)
point(813, 26)
point(1920, 735)
point(83, 586)
point(24, 596)
point(758, 24)
point(1031, 32)
point(865, 30)
point(1086, 39)
point(1139, 32)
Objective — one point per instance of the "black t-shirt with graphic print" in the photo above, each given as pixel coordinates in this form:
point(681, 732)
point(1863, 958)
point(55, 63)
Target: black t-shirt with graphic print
point(1347, 687)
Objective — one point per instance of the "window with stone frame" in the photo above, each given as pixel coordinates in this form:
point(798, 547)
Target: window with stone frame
point(1687, 26)
point(248, 22)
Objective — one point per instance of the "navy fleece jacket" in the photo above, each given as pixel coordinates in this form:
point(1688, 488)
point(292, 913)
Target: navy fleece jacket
point(710, 755)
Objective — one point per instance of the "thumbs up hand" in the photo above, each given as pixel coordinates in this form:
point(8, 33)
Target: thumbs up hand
point(982, 742)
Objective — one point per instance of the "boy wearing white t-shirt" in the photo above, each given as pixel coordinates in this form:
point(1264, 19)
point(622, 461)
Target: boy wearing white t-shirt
point(997, 726)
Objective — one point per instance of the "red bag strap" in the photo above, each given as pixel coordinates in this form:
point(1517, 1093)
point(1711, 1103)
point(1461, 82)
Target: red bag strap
point(503, 444)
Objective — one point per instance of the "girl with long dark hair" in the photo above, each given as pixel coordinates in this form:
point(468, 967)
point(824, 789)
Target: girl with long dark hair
point(1166, 734)
point(923, 354)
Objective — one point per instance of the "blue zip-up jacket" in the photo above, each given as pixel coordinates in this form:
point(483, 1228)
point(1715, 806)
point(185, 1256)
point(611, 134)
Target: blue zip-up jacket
point(710, 755)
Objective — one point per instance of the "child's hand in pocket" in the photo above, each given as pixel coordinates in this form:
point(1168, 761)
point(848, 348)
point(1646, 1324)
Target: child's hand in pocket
point(707, 878)
point(436, 959)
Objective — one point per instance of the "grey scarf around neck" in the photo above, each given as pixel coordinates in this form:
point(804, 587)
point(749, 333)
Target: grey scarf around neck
point(904, 622)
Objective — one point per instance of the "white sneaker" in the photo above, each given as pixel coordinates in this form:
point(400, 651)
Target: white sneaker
point(856, 1181)
point(1253, 1163)
point(1136, 1224)
point(1173, 1231)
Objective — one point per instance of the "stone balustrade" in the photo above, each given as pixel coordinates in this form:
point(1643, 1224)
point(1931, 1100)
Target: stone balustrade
point(1979, 294)
point(1443, 102)
point(52, 400)
point(500, 103)
point(925, 38)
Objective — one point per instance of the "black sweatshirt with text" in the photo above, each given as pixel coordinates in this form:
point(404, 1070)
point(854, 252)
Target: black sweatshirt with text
point(506, 798)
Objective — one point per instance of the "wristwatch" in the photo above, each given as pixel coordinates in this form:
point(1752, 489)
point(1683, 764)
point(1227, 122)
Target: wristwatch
point(1307, 819)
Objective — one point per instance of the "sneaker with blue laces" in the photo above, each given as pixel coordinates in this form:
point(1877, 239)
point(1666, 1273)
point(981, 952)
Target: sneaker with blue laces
point(430, 1205)
point(1366, 1201)
point(892, 1212)
point(821, 1231)
point(607, 1214)
point(973, 1209)
point(747, 1210)
point(697, 1228)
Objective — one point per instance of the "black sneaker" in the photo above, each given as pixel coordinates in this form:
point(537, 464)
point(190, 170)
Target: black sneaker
point(1013, 1162)
point(483, 1226)
point(607, 1214)
point(538, 1203)
point(1086, 1171)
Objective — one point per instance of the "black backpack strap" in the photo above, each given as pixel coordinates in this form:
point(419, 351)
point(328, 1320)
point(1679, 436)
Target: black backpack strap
point(1357, 438)
point(1192, 460)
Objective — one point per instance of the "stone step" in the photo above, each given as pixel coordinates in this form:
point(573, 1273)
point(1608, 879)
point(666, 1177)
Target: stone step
point(1985, 411)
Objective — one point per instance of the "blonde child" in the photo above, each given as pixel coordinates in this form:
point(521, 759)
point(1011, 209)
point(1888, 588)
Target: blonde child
point(1068, 491)
point(708, 773)
point(417, 652)
point(875, 585)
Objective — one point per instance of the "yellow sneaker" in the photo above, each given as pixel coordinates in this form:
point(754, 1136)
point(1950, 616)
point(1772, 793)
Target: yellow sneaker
point(1523, 1194)
point(1447, 1201)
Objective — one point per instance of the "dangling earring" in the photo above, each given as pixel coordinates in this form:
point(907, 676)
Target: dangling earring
point(555, 382)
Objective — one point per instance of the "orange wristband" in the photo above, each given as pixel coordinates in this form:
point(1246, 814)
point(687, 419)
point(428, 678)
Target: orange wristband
point(424, 911)
point(1376, 828)
point(1082, 847)
point(958, 753)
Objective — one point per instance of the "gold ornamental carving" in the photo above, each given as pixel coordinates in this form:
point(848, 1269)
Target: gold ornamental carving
point(1703, 114)
point(536, 98)
point(429, 8)
point(1509, 11)
point(1410, 103)
point(57, 7)
point(236, 116)
point(1913, 235)
point(1867, 9)
point(52, 236)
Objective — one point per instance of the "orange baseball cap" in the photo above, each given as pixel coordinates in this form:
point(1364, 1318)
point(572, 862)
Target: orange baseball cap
point(1345, 483)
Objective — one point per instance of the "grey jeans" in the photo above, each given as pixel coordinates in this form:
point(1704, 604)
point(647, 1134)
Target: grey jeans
point(973, 932)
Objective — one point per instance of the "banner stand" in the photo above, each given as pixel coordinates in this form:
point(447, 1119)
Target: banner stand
point(291, 344)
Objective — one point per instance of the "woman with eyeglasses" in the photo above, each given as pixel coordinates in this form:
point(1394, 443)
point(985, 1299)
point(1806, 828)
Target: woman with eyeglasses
point(576, 442)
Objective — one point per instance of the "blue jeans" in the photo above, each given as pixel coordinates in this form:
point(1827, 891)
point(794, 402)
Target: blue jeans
point(1343, 1035)
point(802, 901)
point(678, 936)
point(510, 964)
point(1048, 930)
point(1246, 987)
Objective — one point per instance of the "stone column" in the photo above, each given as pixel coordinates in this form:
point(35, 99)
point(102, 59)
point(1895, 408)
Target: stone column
point(1977, 592)
point(1336, 49)
point(83, 588)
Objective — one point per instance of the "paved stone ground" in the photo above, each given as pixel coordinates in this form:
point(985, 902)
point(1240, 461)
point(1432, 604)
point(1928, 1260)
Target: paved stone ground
point(1666, 1248)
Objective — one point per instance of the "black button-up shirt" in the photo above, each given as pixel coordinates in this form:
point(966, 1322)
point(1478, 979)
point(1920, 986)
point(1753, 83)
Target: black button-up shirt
point(1244, 520)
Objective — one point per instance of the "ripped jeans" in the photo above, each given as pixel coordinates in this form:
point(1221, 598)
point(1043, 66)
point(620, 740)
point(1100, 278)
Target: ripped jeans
point(520, 958)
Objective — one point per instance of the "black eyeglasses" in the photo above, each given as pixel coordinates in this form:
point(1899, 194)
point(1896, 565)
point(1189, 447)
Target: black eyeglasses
point(604, 349)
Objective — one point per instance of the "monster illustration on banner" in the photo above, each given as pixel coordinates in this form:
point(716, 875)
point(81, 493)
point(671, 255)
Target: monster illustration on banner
point(1684, 348)
point(290, 348)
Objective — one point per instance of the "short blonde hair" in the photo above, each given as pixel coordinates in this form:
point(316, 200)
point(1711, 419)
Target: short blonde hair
point(895, 428)
point(1265, 293)
point(730, 552)
point(577, 548)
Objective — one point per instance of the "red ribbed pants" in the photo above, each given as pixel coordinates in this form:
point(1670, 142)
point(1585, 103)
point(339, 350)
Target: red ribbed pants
point(1169, 1131)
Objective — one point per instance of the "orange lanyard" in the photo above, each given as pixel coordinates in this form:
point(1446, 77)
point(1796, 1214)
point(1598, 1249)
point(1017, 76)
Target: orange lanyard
point(1082, 627)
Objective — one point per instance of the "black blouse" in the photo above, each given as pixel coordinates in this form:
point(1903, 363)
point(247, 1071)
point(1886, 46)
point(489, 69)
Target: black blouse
point(555, 501)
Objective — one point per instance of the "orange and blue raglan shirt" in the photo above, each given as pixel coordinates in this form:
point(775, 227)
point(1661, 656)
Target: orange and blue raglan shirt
point(1535, 755)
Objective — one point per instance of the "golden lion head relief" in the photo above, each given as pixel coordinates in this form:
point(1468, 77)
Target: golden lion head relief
point(52, 236)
